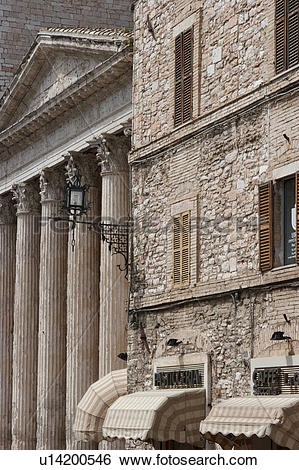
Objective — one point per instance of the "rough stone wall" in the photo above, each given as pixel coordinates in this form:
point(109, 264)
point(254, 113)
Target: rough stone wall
point(22, 19)
point(230, 309)
point(236, 56)
point(227, 205)
point(217, 175)
point(215, 327)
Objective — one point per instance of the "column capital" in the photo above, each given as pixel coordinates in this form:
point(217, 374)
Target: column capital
point(26, 197)
point(7, 210)
point(112, 154)
point(128, 131)
point(52, 184)
point(86, 164)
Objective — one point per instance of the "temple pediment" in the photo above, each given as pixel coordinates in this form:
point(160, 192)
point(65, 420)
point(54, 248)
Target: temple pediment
point(56, 62)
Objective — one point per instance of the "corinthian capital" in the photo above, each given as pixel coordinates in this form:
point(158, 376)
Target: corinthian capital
point(52, 184)
point(87, 166)
point(7, 210)
point(112, 154)
point(26, 197)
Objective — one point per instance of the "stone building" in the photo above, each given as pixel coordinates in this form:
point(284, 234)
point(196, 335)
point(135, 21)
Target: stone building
point(67, 110)
point(215, 163)
point(213, 325)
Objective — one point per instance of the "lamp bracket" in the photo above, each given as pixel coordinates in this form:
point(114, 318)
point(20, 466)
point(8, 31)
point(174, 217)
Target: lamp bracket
point(116, 235)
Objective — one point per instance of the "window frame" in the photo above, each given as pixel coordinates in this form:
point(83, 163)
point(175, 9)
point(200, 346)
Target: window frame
point(181, 266)
point(286, 19)
point(182, 76)
point(267, 219)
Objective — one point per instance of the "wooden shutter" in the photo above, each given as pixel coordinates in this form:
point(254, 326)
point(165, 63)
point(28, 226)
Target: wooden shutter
point(183, 77)
point(293, 33)
point(286, 34)
point(178, 111)
point(181, 249)
point(187, 74)
point(266, 226)
point(297, 215)
point(177, 268)
point(280, 36)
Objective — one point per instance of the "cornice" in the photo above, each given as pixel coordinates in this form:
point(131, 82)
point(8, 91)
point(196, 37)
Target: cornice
point(286, 276)
point(51, 158)
point(102, 76)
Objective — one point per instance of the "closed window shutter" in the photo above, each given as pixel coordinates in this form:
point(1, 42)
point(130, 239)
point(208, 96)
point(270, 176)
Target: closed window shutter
point(265, 226)
point(286, 34)
point(177, 268)
point(181, 249)
point(280, 36)
point(183, 77)
point(293, 33)
point(178, 112)
point(297, 215)
point(187, 74)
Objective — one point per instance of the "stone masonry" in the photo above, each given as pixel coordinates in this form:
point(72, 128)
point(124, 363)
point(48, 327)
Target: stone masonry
point(232, 36)
point(212, 166)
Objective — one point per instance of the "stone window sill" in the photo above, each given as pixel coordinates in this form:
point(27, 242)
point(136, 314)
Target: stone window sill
point(286, 266)
point(285, 72)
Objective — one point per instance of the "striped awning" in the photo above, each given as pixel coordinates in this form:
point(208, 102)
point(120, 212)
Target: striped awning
point(274, 416)
point(92, 408)
point(159, 415)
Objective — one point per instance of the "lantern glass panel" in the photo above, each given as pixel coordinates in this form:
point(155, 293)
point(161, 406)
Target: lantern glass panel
point(76, 197)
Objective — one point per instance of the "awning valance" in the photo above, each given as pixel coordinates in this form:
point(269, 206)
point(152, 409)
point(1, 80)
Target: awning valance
point(92, 408)
point(274, 416)
point(159, 415)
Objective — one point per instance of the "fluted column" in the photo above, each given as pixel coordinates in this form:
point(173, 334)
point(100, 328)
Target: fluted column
point(52, 315)
point(82, 300)
point(7, 287)
point(26, 316)
point(112, 156)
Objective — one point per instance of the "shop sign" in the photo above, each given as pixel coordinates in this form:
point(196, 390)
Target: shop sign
point(276, 380)
point(291, 379)
point(179, 379)
point(266, 382)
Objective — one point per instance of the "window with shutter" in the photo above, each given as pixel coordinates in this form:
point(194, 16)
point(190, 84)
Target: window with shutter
point(286, 34)
point(181, 249)
point(183, 77)
point(279, 223)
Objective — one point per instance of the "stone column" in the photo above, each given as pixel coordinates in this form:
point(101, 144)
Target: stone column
point(7, 287)
point(52, 315)
point(112, 155)
point(82, 299)
point(26, 316)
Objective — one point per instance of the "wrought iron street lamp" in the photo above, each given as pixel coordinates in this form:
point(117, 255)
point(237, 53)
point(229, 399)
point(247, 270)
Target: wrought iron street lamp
point(75, 205)
point(75, 197)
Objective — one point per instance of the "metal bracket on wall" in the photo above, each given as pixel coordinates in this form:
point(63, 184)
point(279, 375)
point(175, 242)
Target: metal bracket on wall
point(117, 237)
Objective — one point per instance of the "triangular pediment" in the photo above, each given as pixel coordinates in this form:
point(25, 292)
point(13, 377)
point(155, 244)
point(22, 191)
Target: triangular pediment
point(54, 75)
point(52, 65)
